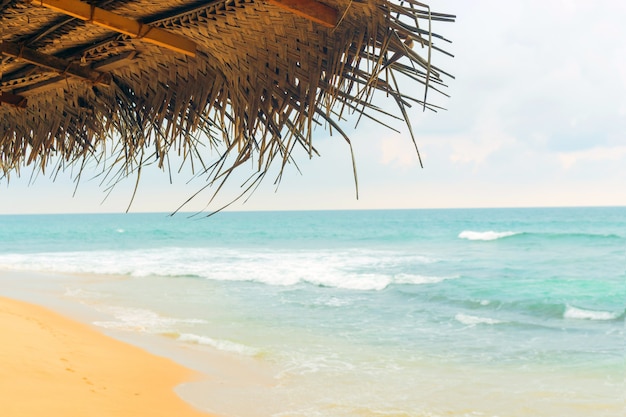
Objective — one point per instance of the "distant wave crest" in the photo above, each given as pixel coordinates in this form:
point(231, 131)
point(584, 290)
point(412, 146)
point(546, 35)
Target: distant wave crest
point(489, 235)
point(581, 314)
point(470, 320)
point(494, 235)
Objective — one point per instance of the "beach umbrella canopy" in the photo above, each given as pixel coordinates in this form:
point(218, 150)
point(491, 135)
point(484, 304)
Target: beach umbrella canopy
point(131, 82)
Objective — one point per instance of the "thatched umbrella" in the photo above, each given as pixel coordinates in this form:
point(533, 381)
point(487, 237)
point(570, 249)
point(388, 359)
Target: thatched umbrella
point(128, 82)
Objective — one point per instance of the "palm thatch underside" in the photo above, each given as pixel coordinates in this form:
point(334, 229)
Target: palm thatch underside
point(216, 83)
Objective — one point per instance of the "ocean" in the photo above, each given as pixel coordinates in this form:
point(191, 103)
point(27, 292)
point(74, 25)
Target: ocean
point(403, 313)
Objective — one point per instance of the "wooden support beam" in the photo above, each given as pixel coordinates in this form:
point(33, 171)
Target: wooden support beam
point(13, 100)
point(41, 86)
point(53, 63)
point(115, 61)
point(310, 9)
point(121, 24)
point(108, 64)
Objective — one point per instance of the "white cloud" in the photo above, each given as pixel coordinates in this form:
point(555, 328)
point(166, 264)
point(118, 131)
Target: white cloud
point(477, 147)
point(486, 136)
point(398, 151)
point(568, 159)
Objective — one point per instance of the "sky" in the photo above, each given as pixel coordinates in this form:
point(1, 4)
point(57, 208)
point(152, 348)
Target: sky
point(536, 118)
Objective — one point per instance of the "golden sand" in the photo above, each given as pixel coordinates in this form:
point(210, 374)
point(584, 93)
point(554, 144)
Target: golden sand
point(55, 367)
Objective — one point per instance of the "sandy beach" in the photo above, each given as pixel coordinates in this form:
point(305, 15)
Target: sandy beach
point(53, 366)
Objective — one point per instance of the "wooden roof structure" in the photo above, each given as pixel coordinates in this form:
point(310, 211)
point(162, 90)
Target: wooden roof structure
point(128, 82)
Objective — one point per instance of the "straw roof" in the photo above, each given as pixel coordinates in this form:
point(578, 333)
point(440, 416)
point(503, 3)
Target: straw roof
point(129, 82)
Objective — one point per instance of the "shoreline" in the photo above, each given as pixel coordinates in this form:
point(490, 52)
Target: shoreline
point(219, 379)
point(216, 379)
point(57, 366)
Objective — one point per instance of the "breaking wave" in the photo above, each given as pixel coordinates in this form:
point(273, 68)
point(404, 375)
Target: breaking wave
point(582, 314)
point(352, 269)
point(475, 320)
point(489, 235)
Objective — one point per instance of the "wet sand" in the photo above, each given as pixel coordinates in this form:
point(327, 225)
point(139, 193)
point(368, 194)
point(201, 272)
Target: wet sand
point(53, 366)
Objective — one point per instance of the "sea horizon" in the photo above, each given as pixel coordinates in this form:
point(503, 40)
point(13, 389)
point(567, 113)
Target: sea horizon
point(211, 213)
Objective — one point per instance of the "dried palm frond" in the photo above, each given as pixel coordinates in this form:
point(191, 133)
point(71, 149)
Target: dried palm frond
point(261, 79)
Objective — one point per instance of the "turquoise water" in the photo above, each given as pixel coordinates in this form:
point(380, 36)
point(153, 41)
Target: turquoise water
point(489, 312)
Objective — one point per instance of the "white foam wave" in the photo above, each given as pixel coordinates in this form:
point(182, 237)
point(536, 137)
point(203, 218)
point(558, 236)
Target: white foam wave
point(475, 320)
point(489, 235)
point(361, 281)
point(83, 294)
point(332, 302)
point(348, 269)
point(297, 363)
point(420, 279)
point(98, 262)
point(224, 345)
point(140, 320)
point(336, 302)
point(580, 314)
